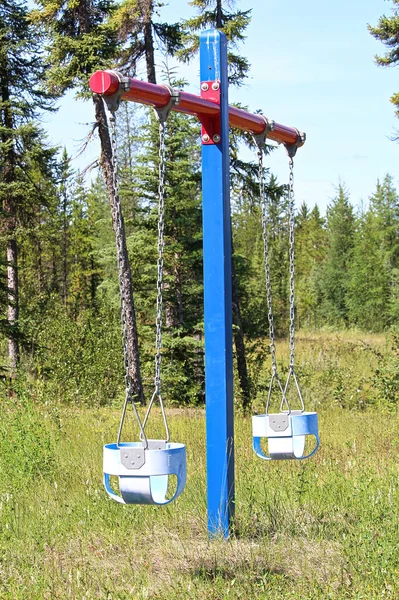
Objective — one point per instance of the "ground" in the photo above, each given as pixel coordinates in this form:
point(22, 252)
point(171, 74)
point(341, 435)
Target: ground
point(322, 528)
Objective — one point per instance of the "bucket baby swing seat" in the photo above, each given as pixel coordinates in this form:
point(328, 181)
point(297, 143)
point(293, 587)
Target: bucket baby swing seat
point(287, 430)
point(144, 468)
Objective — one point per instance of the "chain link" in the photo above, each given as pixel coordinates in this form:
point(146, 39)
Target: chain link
point(161, 246)
point(117, 218)
point(266, 254)
point(265, 234)
point(120, 237)
point(119, 234)
point(291, 213)
point(291, 204)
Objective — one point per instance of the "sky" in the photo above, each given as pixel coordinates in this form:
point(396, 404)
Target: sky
point(312, 67)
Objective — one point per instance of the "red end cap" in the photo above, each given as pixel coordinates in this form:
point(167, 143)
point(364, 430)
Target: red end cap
point(104, 82)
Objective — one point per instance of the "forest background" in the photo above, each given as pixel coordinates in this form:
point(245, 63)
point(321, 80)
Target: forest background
point(60, 288)
point(59, 276)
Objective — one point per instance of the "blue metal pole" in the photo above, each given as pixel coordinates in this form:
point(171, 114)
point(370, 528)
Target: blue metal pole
point(217, 287)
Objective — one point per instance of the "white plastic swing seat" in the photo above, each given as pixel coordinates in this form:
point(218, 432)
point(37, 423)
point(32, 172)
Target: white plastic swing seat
point(285, 433)
point(147, 484)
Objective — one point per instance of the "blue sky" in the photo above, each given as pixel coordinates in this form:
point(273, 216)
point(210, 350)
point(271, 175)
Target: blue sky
point(312, 67)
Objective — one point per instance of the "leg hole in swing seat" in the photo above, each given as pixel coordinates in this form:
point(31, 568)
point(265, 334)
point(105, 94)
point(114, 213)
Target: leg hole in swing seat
point(298, 446)
point(310, 444)
point(264, 446)
point(163, 487)
point(114, 484)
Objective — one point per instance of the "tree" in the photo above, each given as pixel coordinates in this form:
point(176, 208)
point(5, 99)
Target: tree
point(140, 33)
point(65, 210)
point(22, 147)
point(183, 244)
point(247, 226)
point(333, 276)
point(130, 122)
point(310, 241)
point(384, 204)
point(89, 35)
point(368, 291)
point(82, 264)
point(81, 39)
point(212, 13)
point(387, 32)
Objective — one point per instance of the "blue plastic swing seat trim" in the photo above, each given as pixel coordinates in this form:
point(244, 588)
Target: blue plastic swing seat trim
point(149, 483)
point(289, 443)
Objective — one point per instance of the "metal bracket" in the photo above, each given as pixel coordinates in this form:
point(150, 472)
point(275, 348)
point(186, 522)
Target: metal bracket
point(211, 126)
point(260, 138)
point(114, 101)
point(292, 148)
point(156, 445)
point(132, 458)
point(163, 112)
point(279, 422)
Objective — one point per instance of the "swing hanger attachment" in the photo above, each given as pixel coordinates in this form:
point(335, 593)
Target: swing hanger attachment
point(260, 138)
point(113, 102)
point(162, 112)
point(292, 148)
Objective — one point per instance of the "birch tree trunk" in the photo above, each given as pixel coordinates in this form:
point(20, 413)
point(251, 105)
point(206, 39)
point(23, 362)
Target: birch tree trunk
point(13, 304)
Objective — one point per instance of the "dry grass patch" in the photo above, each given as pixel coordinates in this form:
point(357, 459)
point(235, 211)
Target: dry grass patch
point(154, 564)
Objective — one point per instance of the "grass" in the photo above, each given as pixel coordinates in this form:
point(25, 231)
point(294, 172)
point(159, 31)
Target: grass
point(323, 528)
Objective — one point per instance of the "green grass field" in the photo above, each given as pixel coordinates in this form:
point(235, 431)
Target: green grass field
point(323, 528)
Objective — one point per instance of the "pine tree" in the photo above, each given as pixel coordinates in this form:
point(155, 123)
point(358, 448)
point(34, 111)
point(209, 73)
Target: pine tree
point(368, 292)
point(22, 148)
point(310, 249)
point(65, 213)
point(182, 256)
point(85, 36)
point(247, 226)
point(387, 31)
point(213, 13)
point(333, 277)
point(81, 39)
point(103, 247)
point(140, 32)
point(131, 119)
point(83, 270)
point(385, 206)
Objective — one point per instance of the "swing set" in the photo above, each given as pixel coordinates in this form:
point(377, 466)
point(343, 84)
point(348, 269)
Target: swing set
point(144, 467)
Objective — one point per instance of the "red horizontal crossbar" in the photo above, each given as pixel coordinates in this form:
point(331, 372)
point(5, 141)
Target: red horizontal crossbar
point(107, 83)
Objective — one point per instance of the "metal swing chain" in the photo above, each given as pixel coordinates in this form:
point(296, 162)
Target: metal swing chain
point(292, 260)
point(119, 237)
point(291, 212)
point(161, 247)
point(265, 235)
